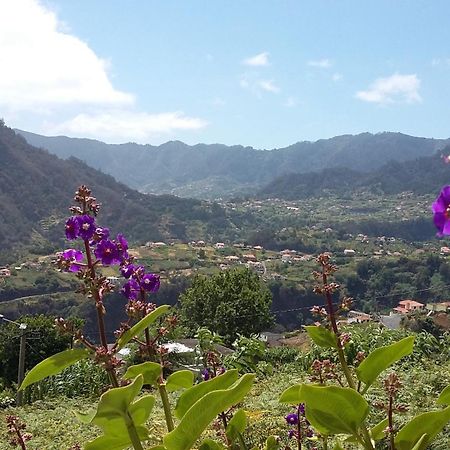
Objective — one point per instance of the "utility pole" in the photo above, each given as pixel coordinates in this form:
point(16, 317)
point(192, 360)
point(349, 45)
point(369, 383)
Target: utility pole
point(21, 369)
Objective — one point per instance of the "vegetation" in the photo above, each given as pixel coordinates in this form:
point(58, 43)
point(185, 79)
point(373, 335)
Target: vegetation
point(229, 303)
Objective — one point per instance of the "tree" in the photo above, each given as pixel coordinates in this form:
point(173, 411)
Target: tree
point(43, 340)
point(229, 303)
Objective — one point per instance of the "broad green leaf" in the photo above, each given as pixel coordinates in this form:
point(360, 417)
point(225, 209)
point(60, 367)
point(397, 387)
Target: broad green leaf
point(141, 409)
point(209, 444)
point(204, 411)
point(191, 395)
point(85, 417)
point(149, 370)
point(421, 443)
point(138, 328)
point(272, 443)
point(291, 395)
point(54, 365)
point(182, 379)
point(377, 432)
point(236, 425)
point(330, 409)
point(428, 424)
point(322, 336)
point(381, 358)
point(117, 412)
point(338, 446)
point(115, 442)
point(444, 397)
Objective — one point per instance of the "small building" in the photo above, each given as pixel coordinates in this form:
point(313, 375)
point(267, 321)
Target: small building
point(219, 245)
point(407, 306)
point(349, 252)
point(5, 272)
point(445, 251)
point(258, 247)
point(358, 317)
point(249, 257)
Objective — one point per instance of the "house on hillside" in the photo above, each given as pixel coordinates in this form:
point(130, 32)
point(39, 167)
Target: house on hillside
point(349, 252)
point(407, 306)
point(249, 257)
point(5, 272)
point(358, 317)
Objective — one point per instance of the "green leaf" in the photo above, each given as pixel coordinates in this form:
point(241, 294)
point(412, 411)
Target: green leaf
point(444, 397)
point(272, 443)
point(204, 411)
point(322, 336)
point(338, 446)
point(421, 443)
point(149, 370)
point(117, 413)
point(423, 427)
point(236, 425)
point(381, 358)
point(138, 328)
point(330, 409)
point(53, 365)
point(209, 444)
point(377, 432)
point(182, 379)
point(190, 396)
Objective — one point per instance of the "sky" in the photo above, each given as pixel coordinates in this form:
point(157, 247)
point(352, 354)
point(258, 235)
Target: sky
point(261, 73)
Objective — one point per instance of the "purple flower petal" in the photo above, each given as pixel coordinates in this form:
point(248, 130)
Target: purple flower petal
point(107, 252)
point(87, 227)
point(72, 228)
point(131, 289)
point(150, 282)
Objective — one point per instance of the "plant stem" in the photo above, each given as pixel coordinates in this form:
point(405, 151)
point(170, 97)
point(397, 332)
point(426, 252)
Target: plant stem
point(391, 423)
point(100, 313)
point(332, 318)
point(166, 405)
point(132, 433)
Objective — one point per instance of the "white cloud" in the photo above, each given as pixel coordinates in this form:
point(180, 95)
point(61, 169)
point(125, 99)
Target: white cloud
point(440, 62)
point(336, 76)
point(42, 65)
point(261, 59)
point(119, 125)
point(46, 69)
point(258, 86)
point(393, 89)
point(320, 63)
point(290, 102)
point(269, 86)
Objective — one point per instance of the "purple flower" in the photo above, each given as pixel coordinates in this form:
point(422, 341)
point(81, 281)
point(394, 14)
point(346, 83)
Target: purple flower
point(72, 228)
point(301, 409)
point(122, 245)
point(107, 252)
point(292, 433)
point(127, 270)
point(101, 233)
point(205, 374)
point(131, 289)
point(441, 210)
point(150, 282)
point(87, 227)
point(292, 419)
point(73, 256)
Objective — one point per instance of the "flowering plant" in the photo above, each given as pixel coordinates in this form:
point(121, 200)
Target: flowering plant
point(123, 410)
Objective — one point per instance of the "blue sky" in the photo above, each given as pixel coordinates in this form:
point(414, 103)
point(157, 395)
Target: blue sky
point(260, 73)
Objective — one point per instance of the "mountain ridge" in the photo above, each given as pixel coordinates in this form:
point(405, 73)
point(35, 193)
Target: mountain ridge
point(181, 169)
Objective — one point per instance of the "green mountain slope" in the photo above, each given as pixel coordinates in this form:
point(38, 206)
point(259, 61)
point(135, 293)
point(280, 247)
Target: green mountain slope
point(36, 190)
point(424, 175)
point(184, 170)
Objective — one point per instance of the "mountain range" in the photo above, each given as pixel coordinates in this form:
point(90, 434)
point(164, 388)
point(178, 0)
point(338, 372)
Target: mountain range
point(214, 171)
point(36, 190)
